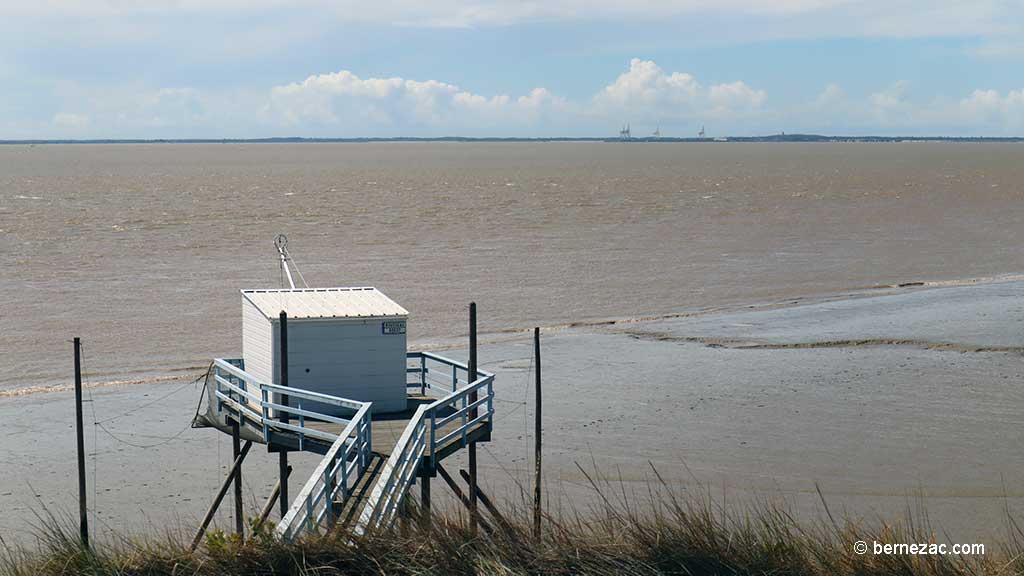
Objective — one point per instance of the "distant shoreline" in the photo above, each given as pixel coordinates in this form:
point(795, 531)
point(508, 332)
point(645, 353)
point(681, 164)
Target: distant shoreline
point(299, 140)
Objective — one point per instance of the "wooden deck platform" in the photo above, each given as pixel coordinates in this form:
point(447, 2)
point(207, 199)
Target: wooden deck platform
point(387, 429)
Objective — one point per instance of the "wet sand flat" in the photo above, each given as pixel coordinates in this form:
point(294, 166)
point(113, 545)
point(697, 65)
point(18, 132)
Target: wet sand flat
point(876, 399)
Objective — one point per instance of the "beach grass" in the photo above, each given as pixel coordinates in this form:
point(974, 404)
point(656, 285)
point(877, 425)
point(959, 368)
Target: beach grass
point(654, 532)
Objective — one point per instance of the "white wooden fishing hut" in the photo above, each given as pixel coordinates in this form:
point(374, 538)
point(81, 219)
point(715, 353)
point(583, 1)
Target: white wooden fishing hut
point(347, 342)
point(321, 370)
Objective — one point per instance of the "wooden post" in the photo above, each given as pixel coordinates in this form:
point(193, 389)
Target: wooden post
point(282, 456)
point(537, 432)
point(83, 515)
point(425, 501)
point(282, 472)
point(472, 416)
point(235, 467)
point(236, 449)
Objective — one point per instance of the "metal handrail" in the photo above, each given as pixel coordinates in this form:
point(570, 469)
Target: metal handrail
point(342, 466)
point(419, 440)
point(334, 474)
point(459, 402)
point(396, 475)
point(316, 396)
point(252, 400)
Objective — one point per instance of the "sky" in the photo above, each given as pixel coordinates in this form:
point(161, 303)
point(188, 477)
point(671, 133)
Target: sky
point(489, 68)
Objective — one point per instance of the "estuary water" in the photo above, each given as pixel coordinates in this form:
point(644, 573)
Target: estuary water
point(141, 249)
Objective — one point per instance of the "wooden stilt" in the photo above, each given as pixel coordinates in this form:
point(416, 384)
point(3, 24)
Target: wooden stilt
point(235, 467)
point(472, 415)
point(282, 457)
point(83, 514)
point(425, 502)
point(403, 514)
point(462, 497)
point(537, 433)
point(236, 449)
point(488, 504)
point(283, 469)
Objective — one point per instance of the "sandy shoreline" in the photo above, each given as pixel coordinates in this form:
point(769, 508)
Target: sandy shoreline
point(877, 398)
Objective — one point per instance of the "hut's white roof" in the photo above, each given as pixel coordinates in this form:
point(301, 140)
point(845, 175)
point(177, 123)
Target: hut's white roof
point(324, 303)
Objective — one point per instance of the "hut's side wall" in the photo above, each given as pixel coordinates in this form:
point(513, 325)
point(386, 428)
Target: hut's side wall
point(257, 343)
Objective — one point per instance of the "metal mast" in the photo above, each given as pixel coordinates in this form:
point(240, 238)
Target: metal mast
point(281, 243)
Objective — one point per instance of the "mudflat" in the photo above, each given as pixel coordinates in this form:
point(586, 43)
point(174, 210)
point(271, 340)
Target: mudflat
point(883, 399)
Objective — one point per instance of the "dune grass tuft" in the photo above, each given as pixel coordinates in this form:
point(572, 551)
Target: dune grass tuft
point(656, 533)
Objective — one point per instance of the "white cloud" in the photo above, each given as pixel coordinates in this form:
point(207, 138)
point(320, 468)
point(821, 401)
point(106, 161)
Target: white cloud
point(890, 98)
point(1000, 48)
point(70, 120)
point(992, 108)
point(735, 97)
point(647, 85)
point(648, 93)
point(892, 110)
point(137, 111)
point(831, 97)
point(342, 103)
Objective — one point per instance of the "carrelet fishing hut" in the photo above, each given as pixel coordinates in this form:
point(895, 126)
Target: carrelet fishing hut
point(326, 370)
point(347, 342)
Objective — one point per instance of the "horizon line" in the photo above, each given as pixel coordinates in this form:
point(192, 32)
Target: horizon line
point(782, 137)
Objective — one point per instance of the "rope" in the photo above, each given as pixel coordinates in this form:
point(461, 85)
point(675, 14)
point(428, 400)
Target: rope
point(513, 412)
point(526, 430)
point(132, 444)
point(299, 272)
point(526, 414)
point(164, 439)
point(151, 402)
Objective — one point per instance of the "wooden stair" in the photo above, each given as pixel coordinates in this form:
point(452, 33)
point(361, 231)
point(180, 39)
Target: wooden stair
point(348, 511)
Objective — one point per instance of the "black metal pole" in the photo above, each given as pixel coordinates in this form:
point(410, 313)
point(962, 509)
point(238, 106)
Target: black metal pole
point(472, 416)
point(537, 438)
point(282, 457)
point(83, 516)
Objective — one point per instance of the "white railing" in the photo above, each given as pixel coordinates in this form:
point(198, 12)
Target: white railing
point(252, 403)
point(465, 407)
point(421, 439)
point(461, 408)
point(431, 373)
point(333, 480)
point(397, 475)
